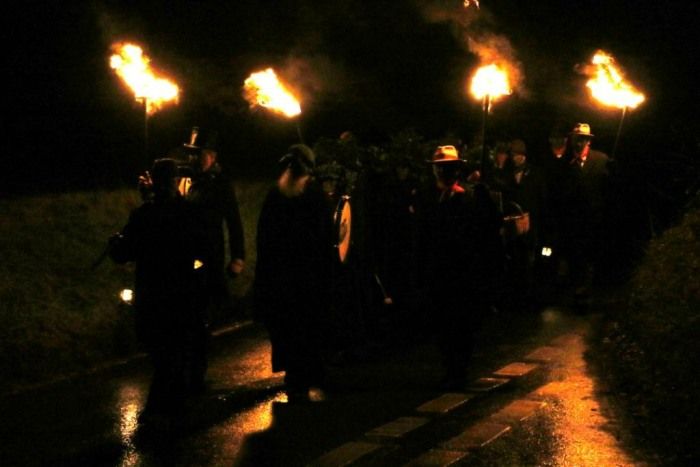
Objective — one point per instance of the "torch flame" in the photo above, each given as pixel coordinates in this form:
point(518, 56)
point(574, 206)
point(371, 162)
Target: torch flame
point(263, 88)
point(133, 67)
point(608, 85)
point(490, 81)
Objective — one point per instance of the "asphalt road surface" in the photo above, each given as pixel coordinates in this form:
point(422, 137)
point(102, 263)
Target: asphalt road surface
point(533, 400)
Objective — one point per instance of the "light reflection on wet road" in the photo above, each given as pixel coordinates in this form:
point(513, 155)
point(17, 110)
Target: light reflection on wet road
point(583, 429)
point(378, 391)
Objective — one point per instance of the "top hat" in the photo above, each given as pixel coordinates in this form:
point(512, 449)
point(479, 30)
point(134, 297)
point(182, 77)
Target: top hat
point(445, 155)
point(582, 129)
point(201, 139)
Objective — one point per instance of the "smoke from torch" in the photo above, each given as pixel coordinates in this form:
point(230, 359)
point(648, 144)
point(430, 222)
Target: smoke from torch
point(133, 67)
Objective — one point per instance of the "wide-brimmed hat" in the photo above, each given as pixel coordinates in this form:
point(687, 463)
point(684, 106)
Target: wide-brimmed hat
point(446, 155)
point(517, 146)
point(300, 158)
point(582, 129)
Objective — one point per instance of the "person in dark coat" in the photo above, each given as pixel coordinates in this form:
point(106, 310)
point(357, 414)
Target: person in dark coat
point(557, 174)
point(164, 238)
point(395, 255)
point(295, 257)
point(457, 228)
point(584, 221)
point(500, 175)
point(212, 192)
point(528, 195)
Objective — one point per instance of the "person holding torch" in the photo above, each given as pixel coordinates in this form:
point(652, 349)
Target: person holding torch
point(164, 238)
point(213, 194)
point(587, 198)
point(457, 233)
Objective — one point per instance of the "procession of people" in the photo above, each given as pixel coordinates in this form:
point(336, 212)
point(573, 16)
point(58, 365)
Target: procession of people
point(440, 244)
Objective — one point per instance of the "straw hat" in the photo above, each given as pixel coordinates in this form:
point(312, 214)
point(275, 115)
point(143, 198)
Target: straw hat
point(582, 129)
point(446, 155)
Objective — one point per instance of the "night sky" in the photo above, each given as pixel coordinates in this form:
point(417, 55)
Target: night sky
point(373, 67)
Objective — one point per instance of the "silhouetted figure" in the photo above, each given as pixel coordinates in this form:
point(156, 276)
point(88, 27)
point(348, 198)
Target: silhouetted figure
point(295, 255)
point(527, 194)
point(459, 229)
point(499, 176)
point(213, 194)
point(558, 181)
point(583, 224)
point(164, 237)
point(395, 253)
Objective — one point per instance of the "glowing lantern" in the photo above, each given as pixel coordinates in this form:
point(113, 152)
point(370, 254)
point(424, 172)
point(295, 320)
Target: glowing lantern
point(127, 296)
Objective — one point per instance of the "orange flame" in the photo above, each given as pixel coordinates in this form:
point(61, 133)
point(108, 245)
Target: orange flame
point(132, 66)
point(263, 88)
point(490, 81)
point(608, 85)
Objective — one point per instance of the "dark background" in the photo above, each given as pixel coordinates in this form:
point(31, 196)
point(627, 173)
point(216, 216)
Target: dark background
point(371, 66)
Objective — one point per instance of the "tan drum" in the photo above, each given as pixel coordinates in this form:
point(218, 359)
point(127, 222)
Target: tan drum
point(342, 221)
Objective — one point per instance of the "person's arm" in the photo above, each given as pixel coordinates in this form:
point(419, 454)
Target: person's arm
point(123, 245)
point(234, 226)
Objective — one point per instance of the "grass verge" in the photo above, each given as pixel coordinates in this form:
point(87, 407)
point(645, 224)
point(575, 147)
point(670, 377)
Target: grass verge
point(59, 315)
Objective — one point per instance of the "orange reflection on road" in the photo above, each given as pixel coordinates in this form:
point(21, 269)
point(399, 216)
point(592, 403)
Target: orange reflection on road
point(582, 428)
point(129, 404)
point(233, 433)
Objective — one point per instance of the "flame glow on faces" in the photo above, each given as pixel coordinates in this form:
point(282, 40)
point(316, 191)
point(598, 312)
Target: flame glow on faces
point(468, 3)
point(133, 67)
point(263, 88)
point(608, 85)
point(490, 81)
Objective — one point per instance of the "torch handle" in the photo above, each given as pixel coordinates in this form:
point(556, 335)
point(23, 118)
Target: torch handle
point(484, 151)
point(619, 130)
point(299, 134)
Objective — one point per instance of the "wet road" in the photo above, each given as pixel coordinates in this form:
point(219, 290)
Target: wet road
point(383, 409)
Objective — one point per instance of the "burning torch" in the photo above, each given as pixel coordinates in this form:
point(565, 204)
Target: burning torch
point(610, 89)
point(152, 92)
point(488, 84)
point(264, 89)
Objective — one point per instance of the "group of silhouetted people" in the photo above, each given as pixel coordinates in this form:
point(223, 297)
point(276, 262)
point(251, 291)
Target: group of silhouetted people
point(464, 240)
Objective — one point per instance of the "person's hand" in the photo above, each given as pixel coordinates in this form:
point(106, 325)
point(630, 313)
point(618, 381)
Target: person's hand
point(474, 177)
point(235, 267)
point(145, 184)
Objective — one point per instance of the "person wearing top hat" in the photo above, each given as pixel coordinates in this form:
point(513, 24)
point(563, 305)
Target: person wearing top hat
point(214, 195)
point(164, 238)
point(295, 257)
point(456, 228)
point(587, 200)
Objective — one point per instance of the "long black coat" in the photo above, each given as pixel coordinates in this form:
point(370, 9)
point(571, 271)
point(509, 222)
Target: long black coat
point(292, 283)
point(459, 250)
point(163, 238)
point(214, 195)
